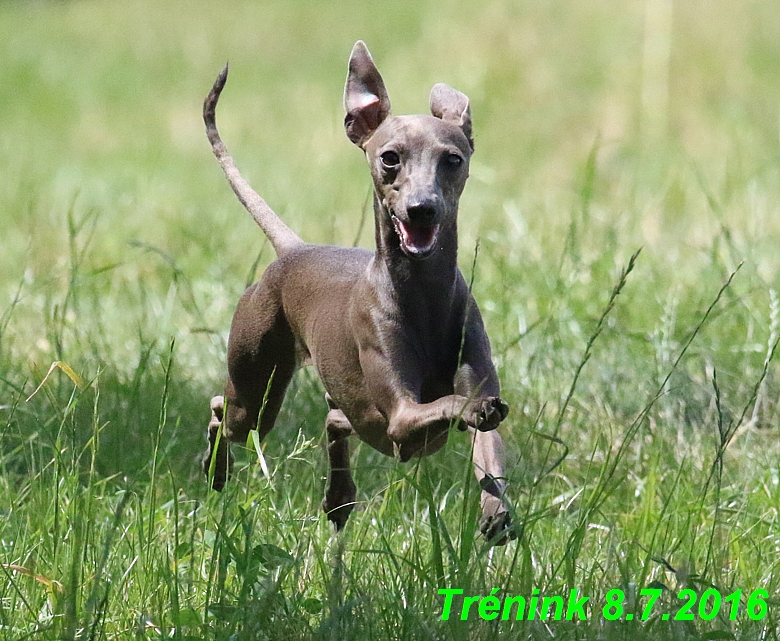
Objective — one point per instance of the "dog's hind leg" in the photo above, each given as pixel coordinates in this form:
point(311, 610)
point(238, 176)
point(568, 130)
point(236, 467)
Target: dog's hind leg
point(341, 491)
point(261, 362)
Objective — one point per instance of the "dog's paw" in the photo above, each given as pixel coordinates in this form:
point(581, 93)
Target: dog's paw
point(223, 467)
point(498, 528)
point(338, 509)
point(490, 412)
point(217, 405)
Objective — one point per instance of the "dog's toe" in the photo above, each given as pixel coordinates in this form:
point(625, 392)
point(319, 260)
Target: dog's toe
point(498, 529)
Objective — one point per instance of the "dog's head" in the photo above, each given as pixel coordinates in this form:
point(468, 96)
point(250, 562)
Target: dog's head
point(419, 163)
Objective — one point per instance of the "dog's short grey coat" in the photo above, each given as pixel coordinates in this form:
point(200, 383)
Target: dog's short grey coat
point(394, 334)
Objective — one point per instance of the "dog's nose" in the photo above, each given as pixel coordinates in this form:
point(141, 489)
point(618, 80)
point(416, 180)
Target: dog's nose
point(421, 212)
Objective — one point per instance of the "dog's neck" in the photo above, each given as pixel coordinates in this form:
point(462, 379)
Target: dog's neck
point(431, 278)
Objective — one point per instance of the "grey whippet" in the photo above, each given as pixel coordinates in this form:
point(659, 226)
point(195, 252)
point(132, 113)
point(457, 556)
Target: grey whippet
point(395, 334)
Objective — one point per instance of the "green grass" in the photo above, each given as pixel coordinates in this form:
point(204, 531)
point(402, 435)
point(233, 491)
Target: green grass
point(643, 436)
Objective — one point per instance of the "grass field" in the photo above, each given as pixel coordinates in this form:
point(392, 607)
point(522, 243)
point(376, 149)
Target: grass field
point(643, 437)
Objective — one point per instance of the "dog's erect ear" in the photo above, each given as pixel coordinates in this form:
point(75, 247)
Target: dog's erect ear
point(365, 96)
point(452, 106)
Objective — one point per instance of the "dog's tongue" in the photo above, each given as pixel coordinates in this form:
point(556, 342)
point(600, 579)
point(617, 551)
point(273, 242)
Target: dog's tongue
point(417, 238)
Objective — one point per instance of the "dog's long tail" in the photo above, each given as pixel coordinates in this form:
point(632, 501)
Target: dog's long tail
point(280, 235)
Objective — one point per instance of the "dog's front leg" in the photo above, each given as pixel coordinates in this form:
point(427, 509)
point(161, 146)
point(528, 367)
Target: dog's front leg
point(477, 377)
point(395, 388)
point(414, 424)
point(488, 459)
point(411, 425)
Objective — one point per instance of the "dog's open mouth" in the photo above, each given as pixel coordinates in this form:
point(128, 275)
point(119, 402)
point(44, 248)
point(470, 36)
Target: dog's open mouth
point(416, 240)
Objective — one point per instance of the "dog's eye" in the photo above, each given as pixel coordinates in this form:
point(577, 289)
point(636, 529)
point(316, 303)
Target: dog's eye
point(453, 160)
point(390, 159)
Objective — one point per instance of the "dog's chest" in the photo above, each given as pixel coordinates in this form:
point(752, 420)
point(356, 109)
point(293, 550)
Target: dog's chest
point(435, 361)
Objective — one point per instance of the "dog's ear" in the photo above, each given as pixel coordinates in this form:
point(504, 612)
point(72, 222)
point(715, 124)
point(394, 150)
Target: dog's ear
point(452, 106)
point(365, 96)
